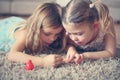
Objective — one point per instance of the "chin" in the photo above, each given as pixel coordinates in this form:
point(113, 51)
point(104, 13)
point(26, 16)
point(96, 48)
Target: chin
point(77, 44)
point(80, 44)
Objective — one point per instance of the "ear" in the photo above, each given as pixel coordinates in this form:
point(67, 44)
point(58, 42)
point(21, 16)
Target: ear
point(96, 25)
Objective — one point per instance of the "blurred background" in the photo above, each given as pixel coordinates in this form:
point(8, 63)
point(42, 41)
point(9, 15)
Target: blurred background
point(26, 7)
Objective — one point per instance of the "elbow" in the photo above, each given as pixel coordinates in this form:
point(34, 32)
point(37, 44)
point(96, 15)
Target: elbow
point(111, 53)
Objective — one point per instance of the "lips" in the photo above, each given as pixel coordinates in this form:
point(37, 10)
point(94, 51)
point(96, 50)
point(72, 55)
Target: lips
point(49, 43)
point(79, 43)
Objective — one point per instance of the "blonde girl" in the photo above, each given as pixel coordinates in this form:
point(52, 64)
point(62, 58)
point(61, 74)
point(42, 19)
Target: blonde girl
point(91, 30)
point(42, 31)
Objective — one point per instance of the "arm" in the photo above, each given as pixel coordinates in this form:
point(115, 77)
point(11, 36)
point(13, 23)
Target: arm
point(110, 47)
point(109, 51)
point(72, 55)
point(16, 54)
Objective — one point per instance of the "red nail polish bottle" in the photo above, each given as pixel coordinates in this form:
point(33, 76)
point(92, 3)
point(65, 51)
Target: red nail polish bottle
point(29, 65)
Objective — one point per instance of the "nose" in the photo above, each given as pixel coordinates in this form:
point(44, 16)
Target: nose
point(74, 38)
point(52, 38)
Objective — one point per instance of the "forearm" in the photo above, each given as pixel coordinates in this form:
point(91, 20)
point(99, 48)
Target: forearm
point(97, 55)
point(23, 58)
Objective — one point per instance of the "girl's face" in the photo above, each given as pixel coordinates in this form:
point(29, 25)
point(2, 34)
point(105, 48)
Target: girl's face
point(49, 35)
point(81, 34)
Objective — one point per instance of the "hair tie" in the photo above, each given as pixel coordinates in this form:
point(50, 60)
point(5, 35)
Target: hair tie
point(91, 5)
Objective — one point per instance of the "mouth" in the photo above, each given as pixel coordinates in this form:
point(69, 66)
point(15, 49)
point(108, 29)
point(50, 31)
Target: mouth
point(48, 43)
point(79, 43)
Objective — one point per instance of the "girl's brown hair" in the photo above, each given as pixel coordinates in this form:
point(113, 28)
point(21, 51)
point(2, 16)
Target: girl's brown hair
point(45, 15)
point(77, 11)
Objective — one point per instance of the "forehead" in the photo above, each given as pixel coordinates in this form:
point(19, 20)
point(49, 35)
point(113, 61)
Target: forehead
point(52, 29)
point(74, 28)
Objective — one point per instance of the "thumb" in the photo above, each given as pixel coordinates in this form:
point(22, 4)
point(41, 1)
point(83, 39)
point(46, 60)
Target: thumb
point(77, 57)
point(81, 58)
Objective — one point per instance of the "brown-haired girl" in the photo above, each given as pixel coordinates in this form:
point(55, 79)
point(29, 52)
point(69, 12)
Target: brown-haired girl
point(91, 29)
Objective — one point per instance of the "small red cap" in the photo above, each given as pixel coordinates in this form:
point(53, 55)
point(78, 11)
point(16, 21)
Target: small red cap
point(29, 65)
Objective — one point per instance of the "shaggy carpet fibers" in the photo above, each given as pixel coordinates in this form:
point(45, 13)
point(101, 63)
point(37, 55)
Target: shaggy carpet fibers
point(102, 69)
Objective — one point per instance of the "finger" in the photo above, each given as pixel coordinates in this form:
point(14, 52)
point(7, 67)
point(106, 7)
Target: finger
point(77, 57)
point(58, 59)
point(71, 58)
point(67, 58)
point(81, 58)
point(72, 61)
point(58, 63)
point(64, 60)
point(56, 56)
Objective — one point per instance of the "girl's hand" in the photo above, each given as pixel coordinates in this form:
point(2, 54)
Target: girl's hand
point(71, 55)
point(52, 60)
point(78, 58)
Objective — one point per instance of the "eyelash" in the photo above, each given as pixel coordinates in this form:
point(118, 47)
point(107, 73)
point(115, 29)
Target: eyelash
point(79, 33)
point(47, 34)
point(74, 34)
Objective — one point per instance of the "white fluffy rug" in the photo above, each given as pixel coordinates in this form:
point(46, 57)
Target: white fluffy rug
point(103, 69)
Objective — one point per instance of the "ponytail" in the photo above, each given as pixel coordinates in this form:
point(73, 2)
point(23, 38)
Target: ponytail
point(78, 11)
point(104, 17)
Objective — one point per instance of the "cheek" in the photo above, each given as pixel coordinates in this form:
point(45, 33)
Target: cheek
point(87, 37)
point(83, 38)
point(88, 33)
point(77, 38)
point(56, 37)
point(43, 37)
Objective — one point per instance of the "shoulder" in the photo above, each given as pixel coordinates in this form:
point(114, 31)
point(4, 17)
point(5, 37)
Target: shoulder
point(20, 35)
point(111, 26)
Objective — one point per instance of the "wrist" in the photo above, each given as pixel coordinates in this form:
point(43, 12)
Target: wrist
point(39, 61)
point(43, 63)
point(81, 57)
point(86, 55)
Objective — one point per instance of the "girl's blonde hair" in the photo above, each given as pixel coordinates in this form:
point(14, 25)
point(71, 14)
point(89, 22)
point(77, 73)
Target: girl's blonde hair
point(46, 15)
point(78, 11)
